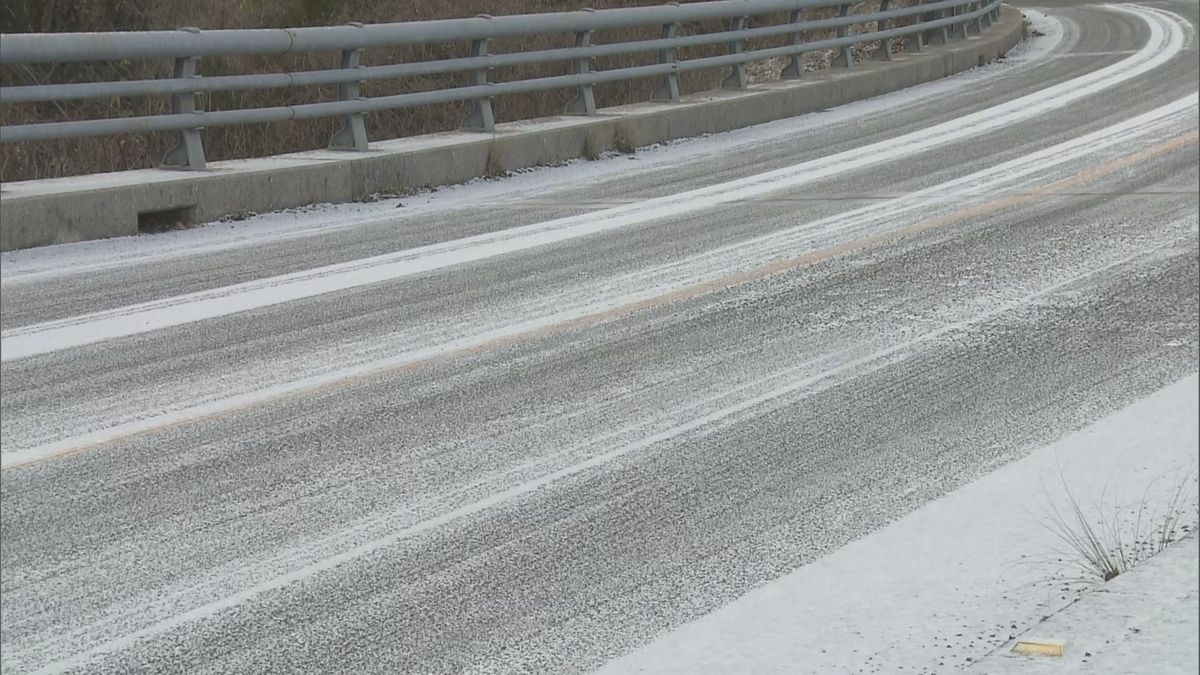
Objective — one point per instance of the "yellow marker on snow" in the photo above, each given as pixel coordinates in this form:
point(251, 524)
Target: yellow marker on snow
point(1039, 647)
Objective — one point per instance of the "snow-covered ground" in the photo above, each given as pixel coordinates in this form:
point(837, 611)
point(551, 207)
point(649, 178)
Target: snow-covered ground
point(1145, 621)
point(957, 579)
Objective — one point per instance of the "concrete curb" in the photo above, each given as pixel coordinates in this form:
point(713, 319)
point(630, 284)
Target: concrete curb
point(63, 210)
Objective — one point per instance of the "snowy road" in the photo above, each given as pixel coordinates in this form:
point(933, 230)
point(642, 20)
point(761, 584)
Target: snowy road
point(528, 425)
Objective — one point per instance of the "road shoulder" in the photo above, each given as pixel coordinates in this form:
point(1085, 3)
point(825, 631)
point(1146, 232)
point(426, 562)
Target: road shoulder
point(1145, 620)
point(954, 581)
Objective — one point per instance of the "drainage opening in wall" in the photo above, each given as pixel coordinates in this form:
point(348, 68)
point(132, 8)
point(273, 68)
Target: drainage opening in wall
point(165, 220)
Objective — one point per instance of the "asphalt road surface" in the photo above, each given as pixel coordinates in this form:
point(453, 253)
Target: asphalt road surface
point(526, 426)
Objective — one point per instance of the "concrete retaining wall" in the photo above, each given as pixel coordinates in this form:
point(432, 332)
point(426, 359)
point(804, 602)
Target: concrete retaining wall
point(54, 211)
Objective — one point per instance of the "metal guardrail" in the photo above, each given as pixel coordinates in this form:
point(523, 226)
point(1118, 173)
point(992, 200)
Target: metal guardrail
point(935, 21)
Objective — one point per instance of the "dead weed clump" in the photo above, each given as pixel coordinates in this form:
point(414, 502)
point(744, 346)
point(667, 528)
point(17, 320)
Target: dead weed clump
point(1104, 540)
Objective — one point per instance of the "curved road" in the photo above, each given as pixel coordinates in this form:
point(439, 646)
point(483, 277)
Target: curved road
point(528, 425)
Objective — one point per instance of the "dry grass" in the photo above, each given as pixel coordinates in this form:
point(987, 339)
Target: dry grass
point(89, 155)
point(1107, 539)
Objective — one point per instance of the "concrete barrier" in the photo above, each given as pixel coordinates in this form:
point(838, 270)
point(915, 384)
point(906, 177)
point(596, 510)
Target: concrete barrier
point(62, 210)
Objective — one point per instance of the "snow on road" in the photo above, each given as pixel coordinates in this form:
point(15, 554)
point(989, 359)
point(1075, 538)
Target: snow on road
point(603, 444)
point(952, 581)
point(1167, 38)
point(609, 295)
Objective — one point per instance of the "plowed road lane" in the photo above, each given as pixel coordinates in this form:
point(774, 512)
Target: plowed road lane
point(529, 425)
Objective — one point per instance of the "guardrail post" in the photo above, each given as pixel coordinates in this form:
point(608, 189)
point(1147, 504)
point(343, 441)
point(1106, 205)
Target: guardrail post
point(353, 133)
point(795, 67)
point(939, 35)
point(736, 79)
point(884, 53)
point(668, 90)
point(584, 102)
point(188, 151)
point(915, 42)
point(996, 12)
point(978, 21)
point(845, 57)
point(985, 19)
point(962, 26)
point(480, 118)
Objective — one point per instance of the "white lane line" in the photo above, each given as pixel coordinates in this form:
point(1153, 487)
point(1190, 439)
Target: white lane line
point(1167, 38)
point(231, 601)
point(983, 183)
point(639, 286)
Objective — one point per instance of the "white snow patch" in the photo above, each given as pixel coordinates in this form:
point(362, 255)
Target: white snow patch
point(1046, 34)
point(952, 581)
point(1145, 620)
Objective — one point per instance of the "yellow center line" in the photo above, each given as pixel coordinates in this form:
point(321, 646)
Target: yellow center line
point(682, 294)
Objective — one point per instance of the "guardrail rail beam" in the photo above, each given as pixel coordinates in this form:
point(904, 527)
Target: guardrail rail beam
point(744, 24)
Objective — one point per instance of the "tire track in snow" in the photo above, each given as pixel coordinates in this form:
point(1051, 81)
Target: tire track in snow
point(780, 388)
point(691, 276)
